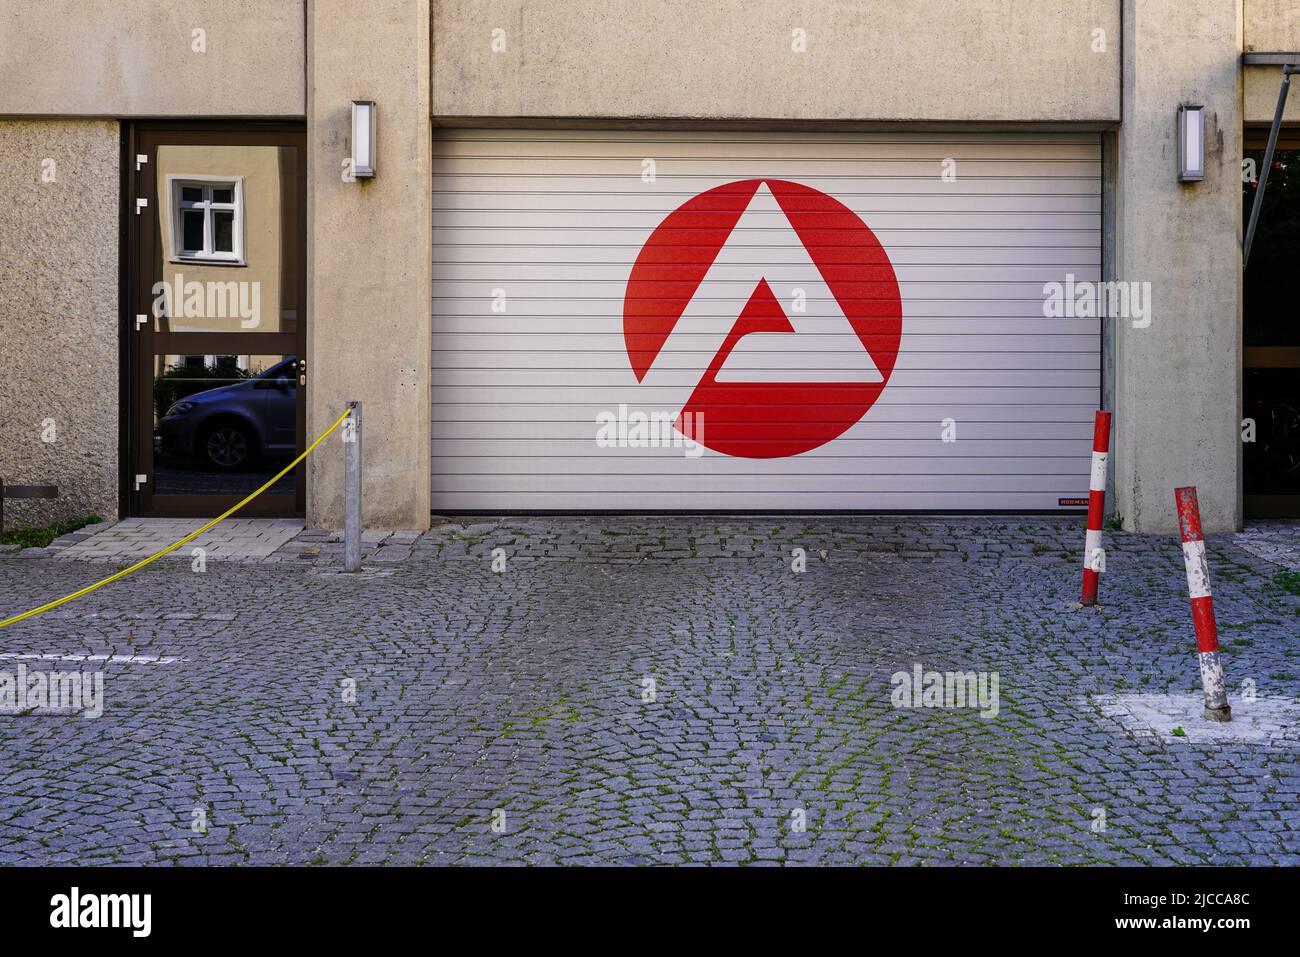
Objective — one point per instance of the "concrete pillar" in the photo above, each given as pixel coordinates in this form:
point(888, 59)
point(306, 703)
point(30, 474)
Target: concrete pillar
point(369, 260)
point(1178, 382)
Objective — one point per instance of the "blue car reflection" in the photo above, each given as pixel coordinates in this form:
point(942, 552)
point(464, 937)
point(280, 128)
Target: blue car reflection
point(235, 426)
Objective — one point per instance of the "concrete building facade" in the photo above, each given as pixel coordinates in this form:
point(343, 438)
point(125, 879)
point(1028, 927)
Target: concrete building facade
point(487, 108)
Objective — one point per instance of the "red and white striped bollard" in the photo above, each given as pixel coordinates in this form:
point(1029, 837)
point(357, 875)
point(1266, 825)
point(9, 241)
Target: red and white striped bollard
point(1094, 557)
point(1198, 586)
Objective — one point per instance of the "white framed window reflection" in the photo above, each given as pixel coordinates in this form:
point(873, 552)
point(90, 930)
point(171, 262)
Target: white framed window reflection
point(206, 224)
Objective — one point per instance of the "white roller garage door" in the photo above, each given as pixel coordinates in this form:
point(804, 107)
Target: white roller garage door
point(843, 321)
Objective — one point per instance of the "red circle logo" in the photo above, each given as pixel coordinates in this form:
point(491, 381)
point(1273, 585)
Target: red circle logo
point(816, 340)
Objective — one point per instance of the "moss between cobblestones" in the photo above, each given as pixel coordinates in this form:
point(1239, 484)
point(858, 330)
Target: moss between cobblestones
point(1288, 581)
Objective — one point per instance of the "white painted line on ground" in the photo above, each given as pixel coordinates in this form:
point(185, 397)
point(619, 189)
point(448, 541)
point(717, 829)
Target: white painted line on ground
point(96, 659)
point(1268, 720)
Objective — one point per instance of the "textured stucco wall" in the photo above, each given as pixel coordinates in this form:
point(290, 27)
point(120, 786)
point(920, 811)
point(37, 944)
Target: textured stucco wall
point(370, 270)
point(1178, 381)
point(1007, 60)
point(59, 314)
point(1271, 26)
point(125, 58)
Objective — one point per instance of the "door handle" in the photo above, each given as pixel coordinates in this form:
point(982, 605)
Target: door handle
point(302, 372)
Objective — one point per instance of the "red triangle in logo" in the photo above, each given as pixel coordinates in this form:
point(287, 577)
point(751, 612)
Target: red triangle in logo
point(761, 314)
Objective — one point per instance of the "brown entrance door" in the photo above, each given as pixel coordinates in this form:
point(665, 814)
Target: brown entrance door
point(216, 320)
point(1271, 331)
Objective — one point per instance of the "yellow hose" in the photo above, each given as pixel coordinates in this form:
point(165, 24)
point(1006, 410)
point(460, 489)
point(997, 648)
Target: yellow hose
point(188, 538)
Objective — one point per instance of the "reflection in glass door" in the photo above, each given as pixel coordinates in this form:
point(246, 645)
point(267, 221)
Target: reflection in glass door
point(216, 287)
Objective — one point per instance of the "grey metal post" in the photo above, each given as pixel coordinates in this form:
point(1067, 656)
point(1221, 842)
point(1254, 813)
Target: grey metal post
point(352, 489)
point(1258, 201)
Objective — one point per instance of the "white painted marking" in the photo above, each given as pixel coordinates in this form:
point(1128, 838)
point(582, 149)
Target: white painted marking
point(1268, 721)
point(96, 659)
point(1198, 570)
point(1091, 544)
point(1212, 677)
point(1097, 481)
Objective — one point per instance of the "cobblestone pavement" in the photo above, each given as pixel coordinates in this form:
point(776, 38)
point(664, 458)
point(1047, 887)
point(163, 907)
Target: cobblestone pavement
point(504, 716)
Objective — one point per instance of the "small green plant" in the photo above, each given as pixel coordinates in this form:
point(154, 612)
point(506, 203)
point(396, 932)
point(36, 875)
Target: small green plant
point(38, 536)
point(1288, 581)
point(1114, 524)
point(1178, 733)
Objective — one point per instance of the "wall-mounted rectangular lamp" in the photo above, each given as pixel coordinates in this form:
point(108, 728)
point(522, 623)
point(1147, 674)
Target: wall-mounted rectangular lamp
point(1191, 144)
point(363, 138)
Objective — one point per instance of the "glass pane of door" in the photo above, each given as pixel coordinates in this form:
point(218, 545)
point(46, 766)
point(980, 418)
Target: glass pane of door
point(219, 289)
point(228, 236)
point(1272, 282)
point(223, 425)
point(1270, 333)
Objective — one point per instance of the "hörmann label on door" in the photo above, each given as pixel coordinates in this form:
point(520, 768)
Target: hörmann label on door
point(761, 321)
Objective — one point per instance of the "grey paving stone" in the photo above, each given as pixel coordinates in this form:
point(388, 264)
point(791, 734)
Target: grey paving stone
point(773, 691)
